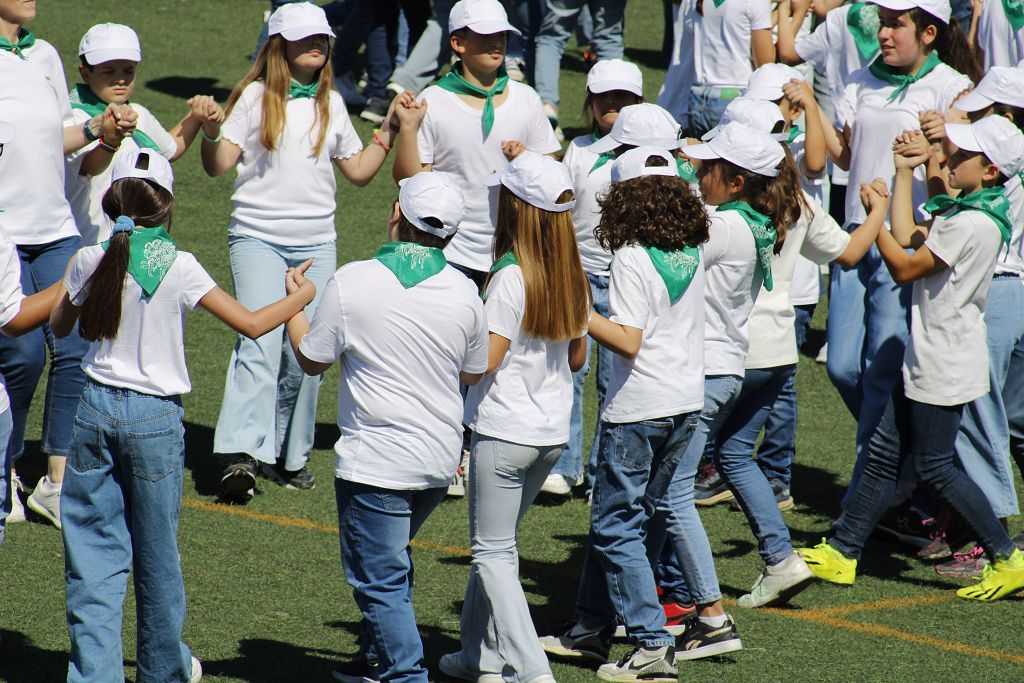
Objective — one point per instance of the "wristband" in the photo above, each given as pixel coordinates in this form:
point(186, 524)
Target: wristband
point(208, 138)
point(378, 139)
point(106, 146)
point(87, 132)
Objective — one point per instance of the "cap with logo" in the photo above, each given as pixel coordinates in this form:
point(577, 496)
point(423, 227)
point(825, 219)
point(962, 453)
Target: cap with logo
point(1002, 84)
point(639, 125)
point(994, 136)
point(762, 115)
point(634, 164)
point(615, 74)
point(107, 42)
point(480, 16)
point(298, 20)
point(536, 179)
point(432, 194)
point(144, 164)
point(753, 150)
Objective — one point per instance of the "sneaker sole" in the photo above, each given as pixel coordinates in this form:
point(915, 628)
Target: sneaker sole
point(715, 499)
point(238, 486)
point(372, 117)
point(575, 655)
point(463, 675)
point(786, 594)
point(273, 475)
point(661, 677)
point(42, 512)
point(710, 650)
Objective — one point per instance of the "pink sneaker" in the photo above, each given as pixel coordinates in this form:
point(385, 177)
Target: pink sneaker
point(966, 565)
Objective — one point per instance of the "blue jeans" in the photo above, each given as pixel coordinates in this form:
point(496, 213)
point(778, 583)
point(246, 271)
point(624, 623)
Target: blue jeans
point(928, 434)
point(560, 19)
point(22, 358)
point(570, 465)
point(269, 405)
point(735, 460)
point(119, 511)
point(497, 631)
point(426, 56)
point(676, 516)
point(706, 105)
point(6, 491)
point(983, 443)
point(637, 464)
point(778, 448)
point(376, 527)
point(868, 325)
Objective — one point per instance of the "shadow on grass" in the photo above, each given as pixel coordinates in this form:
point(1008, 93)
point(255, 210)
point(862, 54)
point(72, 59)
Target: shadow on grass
point(23, 662)
point(268, 661)
point(437, 640)
point(187, 86)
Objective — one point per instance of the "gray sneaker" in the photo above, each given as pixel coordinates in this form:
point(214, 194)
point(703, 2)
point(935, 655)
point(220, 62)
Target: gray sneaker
point(642, 664)
point(779, 583)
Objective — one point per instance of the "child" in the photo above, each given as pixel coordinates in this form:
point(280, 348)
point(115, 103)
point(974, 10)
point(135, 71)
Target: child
point(404, 352)
point(946, 363)
point(463, 122)
point(122, 491)
point(654, 225)
point(110, 55)
point(537, 303)
point(286, 129)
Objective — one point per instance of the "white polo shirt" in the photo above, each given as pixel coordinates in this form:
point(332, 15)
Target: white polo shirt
point(721, 40)
point(451, 138)
point(1011, 256)
point(85, 193)
point(667, 376)
point(34, 98)
point(946, 361)
point(831, 49)
point(528, 399)
point(1001, 44)
point(286, 197)
point(148, 354)
point(401, 351)
point(589, 187)
point(10, 295)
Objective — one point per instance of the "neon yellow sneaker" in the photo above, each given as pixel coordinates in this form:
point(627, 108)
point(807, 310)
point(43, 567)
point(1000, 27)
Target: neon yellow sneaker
point(999, 579)
point(828, 564)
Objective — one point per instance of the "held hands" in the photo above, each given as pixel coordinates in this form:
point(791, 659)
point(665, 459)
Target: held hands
point(875, 196)
point(933, 125)
point(408, 111)
point(910, 150)
point(800, 95)
point(206, 110)
point(295, 281)
point(512, 148)
point(117, 122)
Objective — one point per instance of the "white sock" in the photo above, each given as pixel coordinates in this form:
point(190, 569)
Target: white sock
point(714, 622)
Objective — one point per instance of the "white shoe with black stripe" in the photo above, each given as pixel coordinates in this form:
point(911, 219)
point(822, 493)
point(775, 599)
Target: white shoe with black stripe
point(642, 665)
point(701, 640)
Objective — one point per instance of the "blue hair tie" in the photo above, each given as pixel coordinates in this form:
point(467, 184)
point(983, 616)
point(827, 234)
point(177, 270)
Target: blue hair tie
point(124, 224)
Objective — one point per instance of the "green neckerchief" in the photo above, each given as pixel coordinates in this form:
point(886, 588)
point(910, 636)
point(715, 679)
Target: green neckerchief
point(794, 133)
point(890, 75)
point(508, 259)
point(991, 201)
point(602, 158)
point(718, 3)
point(151, 253)
point(410, 262)
point(764, 236)
point(26, 39)
point(298, 91)
point(453, 82)
point(686, 170)
point(676, 268)
point(1014, 11)
point(863, 22)
point(82, 97)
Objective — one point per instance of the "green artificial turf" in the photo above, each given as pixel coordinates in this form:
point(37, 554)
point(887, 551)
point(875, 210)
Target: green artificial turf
point(267, 600)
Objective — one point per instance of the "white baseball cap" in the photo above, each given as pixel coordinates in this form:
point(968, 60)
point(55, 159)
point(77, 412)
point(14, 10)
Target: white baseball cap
point(766, 82)
point(536, 179)
point(145, 164)
point(633, 164)
point(940, 9)
point(747, 148)
point(1002, 84)
point(7, 131)
point(297, 20)
point(432, 194)
point(762, 115)
point(615, 74)
point(641, 125)
point(480, 16)
point(107, 42)
point(995, 137)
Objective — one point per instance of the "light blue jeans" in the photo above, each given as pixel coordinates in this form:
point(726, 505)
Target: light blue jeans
point(638, 461)
point(376, 527)
point(6, 492)
point(559, 23)
point(868, 326)
point(119, 511)
point(706, 106)
point(983, 442)
point(735, 460)
point(570, 464)
point(269, 406)
point(676, 517)
point(497, 631)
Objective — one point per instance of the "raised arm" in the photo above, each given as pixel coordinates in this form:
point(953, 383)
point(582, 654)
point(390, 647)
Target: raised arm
point(219, 155)
point(790, 19)
point(410, 115)
point(254, 324)
point(908, 154)
point(875, 198)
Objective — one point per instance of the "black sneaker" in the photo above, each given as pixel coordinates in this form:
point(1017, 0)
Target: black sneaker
point(238, 483)
point(642, 664)
point(357, 671)
point(783, 497)
point(905, 526)
point(303, 480)
point(701, 640)
point(578, 643)
point(710, 488)
point(375, 110)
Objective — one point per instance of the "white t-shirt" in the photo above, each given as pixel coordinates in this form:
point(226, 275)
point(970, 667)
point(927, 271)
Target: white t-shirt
point(148, 354)
point(876, 123)
point(589, 187)
point(1011, 256)
point(733, 283)
point(451, 138)
point(34, 99)
point(528, 399)
point(401, 350)
point(85, 193)
point(814, 239)
point(833, 51)
point(674, 95)
point(721, 40)
point(667, 376)
point(806, 285)
point(286, 197)
point(946, 361)
point(10, 295)
point(1001, 44)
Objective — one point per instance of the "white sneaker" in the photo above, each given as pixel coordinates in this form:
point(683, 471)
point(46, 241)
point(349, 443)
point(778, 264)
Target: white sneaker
point(45, 501)
point(779, 583)
point(822, 356)
point(557, 485)
point(197, 671)
point(17, 509)
point(514, 67)
point(458, 486)
point(648, 665)
point(453, 666)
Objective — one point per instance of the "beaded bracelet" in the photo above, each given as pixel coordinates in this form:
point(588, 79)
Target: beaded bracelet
point(379, 140)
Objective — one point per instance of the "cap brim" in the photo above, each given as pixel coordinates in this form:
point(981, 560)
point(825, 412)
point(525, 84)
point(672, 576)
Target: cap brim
point(7, 131)
point(703, 151)
point(299, 32)
point(764, 93)
point(608, 86)
point(707, 136)
point(605, 144)
point(897, 5)
point(489, 27)
point(973, 101)
point(95, 57)
point(961, 135)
